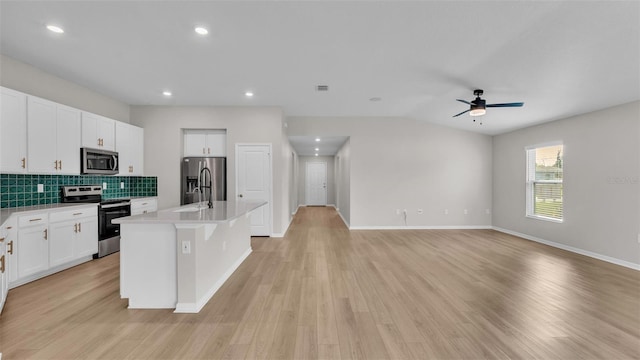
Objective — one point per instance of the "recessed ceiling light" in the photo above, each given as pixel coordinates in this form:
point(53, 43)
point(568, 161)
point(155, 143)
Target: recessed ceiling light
point(317, 139)
point(167, 93)
point(202, 31)
point(55, 29)
point(317, 149)
point(248, 94)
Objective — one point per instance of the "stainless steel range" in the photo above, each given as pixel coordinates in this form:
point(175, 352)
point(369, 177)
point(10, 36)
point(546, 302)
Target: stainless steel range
point(108, 233)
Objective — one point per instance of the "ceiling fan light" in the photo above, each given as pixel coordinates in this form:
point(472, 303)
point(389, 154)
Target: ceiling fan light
point(477, 112)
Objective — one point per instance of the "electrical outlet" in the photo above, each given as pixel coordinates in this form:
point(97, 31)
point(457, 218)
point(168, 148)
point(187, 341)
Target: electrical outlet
point(446, 211)
point(186, 247)
point(466, 212)
point(121, 184)
point(40, 188)
point(104, 186)
point(420, 211)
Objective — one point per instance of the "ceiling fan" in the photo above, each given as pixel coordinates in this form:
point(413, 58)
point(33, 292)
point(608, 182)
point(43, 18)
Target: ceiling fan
point(478, 106)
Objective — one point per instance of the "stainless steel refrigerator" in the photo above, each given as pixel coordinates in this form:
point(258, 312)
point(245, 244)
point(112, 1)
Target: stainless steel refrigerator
point(191, 168)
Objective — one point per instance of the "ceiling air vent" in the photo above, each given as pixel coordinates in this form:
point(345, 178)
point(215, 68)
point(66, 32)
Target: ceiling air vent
point(322, 87)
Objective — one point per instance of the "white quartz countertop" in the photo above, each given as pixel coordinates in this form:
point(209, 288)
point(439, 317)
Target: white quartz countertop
point(5, 214)
point(222, 211)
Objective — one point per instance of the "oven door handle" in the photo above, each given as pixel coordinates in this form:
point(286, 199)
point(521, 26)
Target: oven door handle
point(115, 205)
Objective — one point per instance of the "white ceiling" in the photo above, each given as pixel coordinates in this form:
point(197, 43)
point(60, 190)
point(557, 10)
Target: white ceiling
point(307, 145)
point(560, 58)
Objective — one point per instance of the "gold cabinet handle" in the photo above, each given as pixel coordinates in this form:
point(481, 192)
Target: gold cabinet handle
point(144, 212)
point(60, 164)
point(2, 264)
point(24, 163)
point(56, 165)
point(208, 150)
point(9, 227)
point(46, 234)
point(38, 219)
point(79, 227)
point(76, 214)
point(203, 151)
point(10, 246)
point(1, 239)
point(75, 228)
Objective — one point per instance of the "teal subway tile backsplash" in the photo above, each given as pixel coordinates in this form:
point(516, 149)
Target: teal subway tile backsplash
point(22, 190)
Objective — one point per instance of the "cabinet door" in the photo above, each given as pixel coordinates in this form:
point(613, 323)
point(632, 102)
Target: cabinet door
point(87, 238)
point(195, 144)
point(90, 130)
point(137, 150)
point(216, 143)
point(12, 250)
point(33, 250)
point(123, 147)
point(4, 279)
point(41, 130)
point(107, 133)
point(68, 140)
point(13, 131)
point(61, 241)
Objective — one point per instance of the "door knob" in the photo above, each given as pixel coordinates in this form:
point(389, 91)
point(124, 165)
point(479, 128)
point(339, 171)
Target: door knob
point(240, 195)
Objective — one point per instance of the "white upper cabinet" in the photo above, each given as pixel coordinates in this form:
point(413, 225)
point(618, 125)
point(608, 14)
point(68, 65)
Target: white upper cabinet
point(13, 131)
point(207, 143)
point(53, 137)
point(68, 140)
point(98, 132)
point(130, 148)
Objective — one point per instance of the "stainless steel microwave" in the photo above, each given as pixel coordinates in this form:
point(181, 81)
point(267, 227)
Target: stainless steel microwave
point(96, 161)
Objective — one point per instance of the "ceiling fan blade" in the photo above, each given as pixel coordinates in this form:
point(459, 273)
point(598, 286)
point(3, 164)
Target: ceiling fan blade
point(462, 113)
point(464, 101)
point(516, 104)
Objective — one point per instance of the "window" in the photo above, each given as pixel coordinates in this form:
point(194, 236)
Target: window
point(544, 182)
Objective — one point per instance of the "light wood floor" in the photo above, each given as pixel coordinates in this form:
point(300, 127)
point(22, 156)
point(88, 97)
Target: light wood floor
point(325, 292)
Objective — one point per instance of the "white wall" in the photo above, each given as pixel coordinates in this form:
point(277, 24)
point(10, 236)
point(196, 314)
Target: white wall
point(30, 80)
point(302, 177)
point(601, 171)
point(163, 147)
point(343, 181)
point(399, 163)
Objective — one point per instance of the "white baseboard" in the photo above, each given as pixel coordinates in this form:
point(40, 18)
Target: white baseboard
point(50, 271)
point(196, 307)
point(572, 249)
point(446, 227)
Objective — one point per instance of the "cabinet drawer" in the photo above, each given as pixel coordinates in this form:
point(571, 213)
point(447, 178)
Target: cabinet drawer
point(73, 214)
point(33, 219)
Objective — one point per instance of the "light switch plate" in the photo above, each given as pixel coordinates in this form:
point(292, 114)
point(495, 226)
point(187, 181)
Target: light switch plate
point(104, 186)
point(40, 188)
point(121, 184)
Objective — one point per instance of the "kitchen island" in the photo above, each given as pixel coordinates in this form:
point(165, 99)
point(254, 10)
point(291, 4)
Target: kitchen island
point(178, 258)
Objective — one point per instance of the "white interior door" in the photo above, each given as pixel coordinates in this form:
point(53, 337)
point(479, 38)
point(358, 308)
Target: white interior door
point(316, 183)
point(253, 182)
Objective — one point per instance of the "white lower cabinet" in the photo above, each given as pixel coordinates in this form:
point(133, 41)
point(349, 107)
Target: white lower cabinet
point(52, 241)
point(86, 243)
point(33, 245)
point(4, 273)
point(143, 206)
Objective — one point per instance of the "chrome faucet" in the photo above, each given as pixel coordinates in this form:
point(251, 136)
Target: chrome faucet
point(201, 179)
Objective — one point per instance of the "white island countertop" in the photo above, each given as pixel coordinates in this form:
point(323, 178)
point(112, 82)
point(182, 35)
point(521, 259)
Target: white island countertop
point(222, 211)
